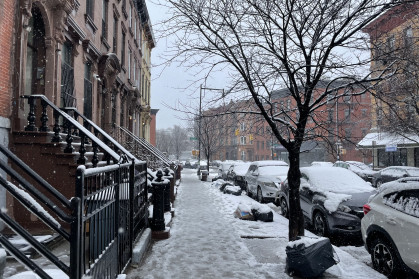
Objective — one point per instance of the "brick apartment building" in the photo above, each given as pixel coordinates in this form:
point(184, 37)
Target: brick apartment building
point(394, 43)
point(248, 137)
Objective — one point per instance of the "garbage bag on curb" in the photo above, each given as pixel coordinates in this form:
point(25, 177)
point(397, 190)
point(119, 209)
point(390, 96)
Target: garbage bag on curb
point(262, 212)
point(310, 257)
point(243, 212)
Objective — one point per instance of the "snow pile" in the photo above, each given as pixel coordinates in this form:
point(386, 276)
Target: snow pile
point(261, 208)
point(218, 183)
point(336, 180)
point(232, 189)
point(306, 241)
point(409, 205)
point(333, 200)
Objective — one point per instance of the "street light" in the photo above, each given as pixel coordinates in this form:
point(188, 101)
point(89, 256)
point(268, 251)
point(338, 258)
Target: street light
point(199, 127)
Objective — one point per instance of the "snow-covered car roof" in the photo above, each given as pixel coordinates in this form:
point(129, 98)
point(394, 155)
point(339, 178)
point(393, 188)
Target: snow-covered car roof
point(406, 183)
point(241, 169)
point(411, 170)
point(321, 164)
point(269, 163)
point(336, 180)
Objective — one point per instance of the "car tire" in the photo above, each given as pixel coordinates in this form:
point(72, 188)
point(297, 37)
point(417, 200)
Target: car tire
point(248, 190)
point(378, 184)
point(384, 257)
point(259, 195)
point(320, 226)
point(284, 207)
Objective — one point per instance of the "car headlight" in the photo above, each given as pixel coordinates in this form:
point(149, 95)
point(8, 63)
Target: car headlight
point(344, 208)
point(270, 184)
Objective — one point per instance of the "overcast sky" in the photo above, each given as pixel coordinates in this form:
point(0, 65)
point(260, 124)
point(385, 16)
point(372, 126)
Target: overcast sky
point(166, 82)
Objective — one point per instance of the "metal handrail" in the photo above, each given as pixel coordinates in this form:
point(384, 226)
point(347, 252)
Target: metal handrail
point(147, 146)
point(76, 124)
point(102, 133)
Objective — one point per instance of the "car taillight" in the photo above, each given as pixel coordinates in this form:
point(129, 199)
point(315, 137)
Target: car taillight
point(366, 208)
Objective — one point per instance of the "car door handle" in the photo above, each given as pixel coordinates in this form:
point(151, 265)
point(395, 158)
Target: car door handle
point(391, 221)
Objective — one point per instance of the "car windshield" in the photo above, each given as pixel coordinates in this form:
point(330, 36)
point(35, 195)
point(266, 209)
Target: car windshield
point(413, 172)
point(359, 165)
point(273, 170)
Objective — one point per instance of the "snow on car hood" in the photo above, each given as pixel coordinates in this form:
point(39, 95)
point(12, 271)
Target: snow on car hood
point(336, 180)
point(338, 185)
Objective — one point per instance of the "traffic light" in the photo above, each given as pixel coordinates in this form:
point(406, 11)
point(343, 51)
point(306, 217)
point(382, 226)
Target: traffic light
point(237, 132)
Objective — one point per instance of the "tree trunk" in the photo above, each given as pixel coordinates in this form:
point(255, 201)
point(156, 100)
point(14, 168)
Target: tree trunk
point(296, 217)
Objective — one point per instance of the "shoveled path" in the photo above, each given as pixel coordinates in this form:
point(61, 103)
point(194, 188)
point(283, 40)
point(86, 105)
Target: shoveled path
point(203, 244)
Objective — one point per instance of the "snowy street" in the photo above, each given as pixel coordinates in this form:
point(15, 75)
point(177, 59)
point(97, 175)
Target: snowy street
point(208, 242)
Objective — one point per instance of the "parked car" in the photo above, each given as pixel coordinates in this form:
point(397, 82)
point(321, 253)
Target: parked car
point(331, 199)
point(361, 169)
point(390, 227)
point(237, 172)
point(321, 164)
point(223, 168)
point(393, 173)
point(263, 179)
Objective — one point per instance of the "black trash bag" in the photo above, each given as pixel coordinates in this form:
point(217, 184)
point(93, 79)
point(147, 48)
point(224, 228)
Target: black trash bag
point(310, 261)
point(222, 187)
point(232, 190)
point(264, 217)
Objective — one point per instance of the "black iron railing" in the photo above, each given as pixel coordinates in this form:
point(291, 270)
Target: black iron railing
point(106, 216)
point(141, 148)
point(63, 121)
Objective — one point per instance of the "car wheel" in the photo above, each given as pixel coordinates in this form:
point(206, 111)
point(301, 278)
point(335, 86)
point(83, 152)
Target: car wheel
point(378, 184)
point(259, 195)
point(320, 224)
point(284, 207)
point(248, 191)
point(383, 257)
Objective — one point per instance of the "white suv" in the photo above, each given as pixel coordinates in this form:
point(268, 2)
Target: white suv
point(390, 227)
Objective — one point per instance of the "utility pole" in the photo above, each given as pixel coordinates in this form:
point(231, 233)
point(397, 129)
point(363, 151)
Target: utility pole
point(199, 127)
point(199, 131)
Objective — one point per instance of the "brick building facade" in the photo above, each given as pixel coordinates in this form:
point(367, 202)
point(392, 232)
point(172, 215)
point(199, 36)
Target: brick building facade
point(249, 138)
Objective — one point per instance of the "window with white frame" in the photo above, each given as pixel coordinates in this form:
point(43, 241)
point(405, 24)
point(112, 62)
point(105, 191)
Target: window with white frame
point(243, 140)
point(243, 126)
point(243, 155)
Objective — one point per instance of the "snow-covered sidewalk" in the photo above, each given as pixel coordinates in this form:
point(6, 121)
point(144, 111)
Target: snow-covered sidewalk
point(208, 242)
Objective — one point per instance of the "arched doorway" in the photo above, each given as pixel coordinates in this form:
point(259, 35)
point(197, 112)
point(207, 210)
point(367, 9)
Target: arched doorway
point(35, 55)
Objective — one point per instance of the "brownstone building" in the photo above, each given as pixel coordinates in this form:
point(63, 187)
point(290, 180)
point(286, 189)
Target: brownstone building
point(93, 55)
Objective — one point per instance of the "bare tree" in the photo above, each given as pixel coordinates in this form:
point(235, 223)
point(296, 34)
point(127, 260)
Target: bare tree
point(179, 140)
point(292, 44)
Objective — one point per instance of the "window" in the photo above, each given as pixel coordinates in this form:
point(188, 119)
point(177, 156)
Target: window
point(123, 49)
point(105, 19)
point(129, 63)
point(89, 8)
point(257, 145)
point(408, 37)
point(347, 114)
point(130, 16)
point(263, 145)
point(364, 112)
point(364, 132)
point(67, 76)
point(243, 155)
point(405, 201)
point(87, 104)
point(134, 74)
point(348, 133)
point(288, 104)
point(347, 98)
point(115, 34)
point(330, 115)
point(242, 126)
point(243, 140)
